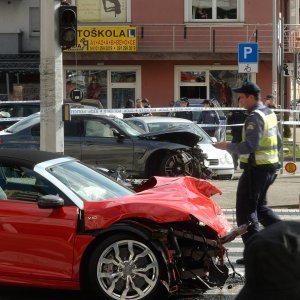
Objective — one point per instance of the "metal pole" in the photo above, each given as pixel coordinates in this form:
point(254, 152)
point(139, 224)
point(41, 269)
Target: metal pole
point(281, 85)
point(274, 53)
point(294, 106)
point(51, 80)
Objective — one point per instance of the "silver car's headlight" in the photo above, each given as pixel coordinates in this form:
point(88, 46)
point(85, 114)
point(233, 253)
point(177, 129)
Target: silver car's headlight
point(226, 159)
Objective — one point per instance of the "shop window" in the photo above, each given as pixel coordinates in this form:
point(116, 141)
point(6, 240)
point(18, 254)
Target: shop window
point(221, 83)
point(214, 10)
point(192, 76)
point(123, 77)
point(93, 83)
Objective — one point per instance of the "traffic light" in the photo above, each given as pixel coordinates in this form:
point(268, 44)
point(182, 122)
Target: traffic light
point(67, 26)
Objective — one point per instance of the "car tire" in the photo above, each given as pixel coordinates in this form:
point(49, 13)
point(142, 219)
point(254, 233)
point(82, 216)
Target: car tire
point(174, 164)
point(126, 267)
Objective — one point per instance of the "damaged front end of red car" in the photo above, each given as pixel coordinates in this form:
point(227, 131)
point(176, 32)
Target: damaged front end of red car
point(177, 219)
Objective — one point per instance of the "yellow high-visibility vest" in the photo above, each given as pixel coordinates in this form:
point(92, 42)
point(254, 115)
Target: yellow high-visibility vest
point(267, 152)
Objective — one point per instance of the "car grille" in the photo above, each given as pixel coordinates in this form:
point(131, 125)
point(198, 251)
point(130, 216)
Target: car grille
point(213, 162)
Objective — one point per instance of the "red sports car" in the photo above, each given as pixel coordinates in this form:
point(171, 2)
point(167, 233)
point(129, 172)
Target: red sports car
point(65, 225)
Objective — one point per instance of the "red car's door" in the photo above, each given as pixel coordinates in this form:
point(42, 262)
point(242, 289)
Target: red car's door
point(36, 242)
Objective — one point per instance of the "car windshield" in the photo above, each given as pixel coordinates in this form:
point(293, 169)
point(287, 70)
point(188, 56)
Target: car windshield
point(132, 130)
point(24, 123)
point(87, 183)
point(157, 126)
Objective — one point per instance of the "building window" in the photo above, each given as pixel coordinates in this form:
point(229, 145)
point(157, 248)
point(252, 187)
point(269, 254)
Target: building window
point(214, 10)
point(34, 21)
point(112, 86)
point(294, 11)
point(103, 10)
point(201, 82)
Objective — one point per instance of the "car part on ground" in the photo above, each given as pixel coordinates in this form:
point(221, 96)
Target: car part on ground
point(101, 236)
point(109, 142)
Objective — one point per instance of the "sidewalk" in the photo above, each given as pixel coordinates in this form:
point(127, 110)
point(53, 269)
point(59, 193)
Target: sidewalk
point(283, 193)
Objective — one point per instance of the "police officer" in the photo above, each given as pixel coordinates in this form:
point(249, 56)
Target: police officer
point(258, 152)
point(209, 117)
point(184, 102)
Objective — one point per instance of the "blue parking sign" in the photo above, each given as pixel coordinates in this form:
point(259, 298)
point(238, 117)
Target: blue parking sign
point(248, 53)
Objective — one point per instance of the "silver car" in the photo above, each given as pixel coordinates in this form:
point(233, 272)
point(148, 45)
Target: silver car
point(220, 161)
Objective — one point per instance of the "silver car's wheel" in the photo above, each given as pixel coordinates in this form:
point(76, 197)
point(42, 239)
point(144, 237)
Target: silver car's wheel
point(126, 269)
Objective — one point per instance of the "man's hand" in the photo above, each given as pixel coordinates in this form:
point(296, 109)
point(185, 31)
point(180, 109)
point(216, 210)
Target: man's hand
point(221, 145)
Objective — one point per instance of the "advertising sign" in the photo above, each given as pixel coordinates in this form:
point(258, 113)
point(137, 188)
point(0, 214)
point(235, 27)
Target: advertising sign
point(106, 39)
point(96, 11)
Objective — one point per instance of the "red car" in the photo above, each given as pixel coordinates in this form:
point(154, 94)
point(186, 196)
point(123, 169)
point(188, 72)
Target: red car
point(65, 225)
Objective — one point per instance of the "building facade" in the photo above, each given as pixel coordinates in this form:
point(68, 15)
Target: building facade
point(160, 50)
point(19, 50)
point(184, 48)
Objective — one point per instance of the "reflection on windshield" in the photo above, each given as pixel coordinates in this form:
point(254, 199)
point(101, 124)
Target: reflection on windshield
point(24, 123)
point(130, 129)
point(88, 184)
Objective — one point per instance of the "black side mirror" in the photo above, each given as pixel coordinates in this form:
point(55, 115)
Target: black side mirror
point(50, 201)
point(117, 134)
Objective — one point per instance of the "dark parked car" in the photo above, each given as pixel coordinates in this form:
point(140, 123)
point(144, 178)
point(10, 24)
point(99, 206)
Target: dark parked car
point(64, 225)
point(13, 111)
point(109, 142)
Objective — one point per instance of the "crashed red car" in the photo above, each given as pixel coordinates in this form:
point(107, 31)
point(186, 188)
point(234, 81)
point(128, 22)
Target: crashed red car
point(65, 225)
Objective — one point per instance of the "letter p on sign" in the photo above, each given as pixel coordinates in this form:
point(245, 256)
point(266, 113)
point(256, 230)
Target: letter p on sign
point(247, 51)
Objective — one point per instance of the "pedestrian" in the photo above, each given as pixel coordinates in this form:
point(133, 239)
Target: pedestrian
point(129, 104)
point(269, 102)
point(236, 118)
point(209, 117)
point(146, 104)
point(272, 263)
point(184, 102)
point(258, 152)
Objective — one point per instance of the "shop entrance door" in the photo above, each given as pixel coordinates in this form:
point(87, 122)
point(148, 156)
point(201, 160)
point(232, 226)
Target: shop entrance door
point(120, 96)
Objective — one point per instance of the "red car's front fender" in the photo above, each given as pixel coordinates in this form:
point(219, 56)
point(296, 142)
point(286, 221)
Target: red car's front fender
point(168, 200)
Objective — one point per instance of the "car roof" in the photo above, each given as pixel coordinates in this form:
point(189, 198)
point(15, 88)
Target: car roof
point(28, 157)
point(154, 119)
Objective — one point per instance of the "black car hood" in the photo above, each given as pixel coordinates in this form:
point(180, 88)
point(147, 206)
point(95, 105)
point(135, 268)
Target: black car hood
point(176, 134)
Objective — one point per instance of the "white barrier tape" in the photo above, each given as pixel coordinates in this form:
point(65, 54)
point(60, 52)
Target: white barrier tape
point(10, 119)
point(159, 110)
point(23, 101)
point(290, 122)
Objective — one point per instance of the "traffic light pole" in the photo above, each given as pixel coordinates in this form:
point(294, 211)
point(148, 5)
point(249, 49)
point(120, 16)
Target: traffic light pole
point(51, 80)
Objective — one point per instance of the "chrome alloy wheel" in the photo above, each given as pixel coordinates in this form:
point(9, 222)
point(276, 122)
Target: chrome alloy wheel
point(127, 269)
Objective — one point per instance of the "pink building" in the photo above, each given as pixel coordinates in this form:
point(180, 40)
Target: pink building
point(172, 48)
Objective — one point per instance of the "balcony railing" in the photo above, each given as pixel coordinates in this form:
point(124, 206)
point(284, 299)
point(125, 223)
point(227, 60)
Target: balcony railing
point(208, 39)
point(213, 39)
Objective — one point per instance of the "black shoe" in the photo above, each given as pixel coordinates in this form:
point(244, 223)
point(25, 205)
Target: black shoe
point(240, 261)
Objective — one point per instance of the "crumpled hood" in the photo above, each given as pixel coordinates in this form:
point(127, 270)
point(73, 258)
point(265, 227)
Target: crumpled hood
point(161, 200)
point(175, 134)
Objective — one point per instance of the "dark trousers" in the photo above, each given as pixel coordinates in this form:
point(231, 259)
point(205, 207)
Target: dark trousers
point(210, 132)
point(251, 200)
